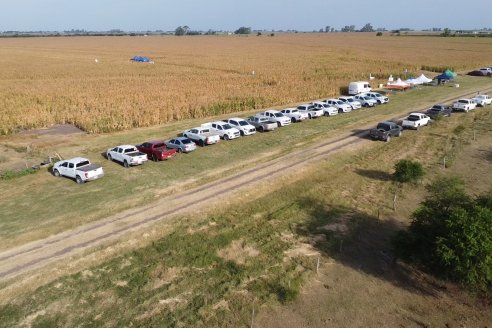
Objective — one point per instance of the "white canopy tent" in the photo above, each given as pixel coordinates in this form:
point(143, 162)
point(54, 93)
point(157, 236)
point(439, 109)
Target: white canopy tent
point(419, 80)
point(399, 84)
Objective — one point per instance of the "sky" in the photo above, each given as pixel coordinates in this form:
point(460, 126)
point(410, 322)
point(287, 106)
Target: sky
point(301, 15)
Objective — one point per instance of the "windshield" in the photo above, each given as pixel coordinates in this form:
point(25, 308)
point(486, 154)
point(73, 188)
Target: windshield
point(278, 115)
point(186, 141)
point(84, 163)
point(159, 145)
point(243, 123)
point(227, 126)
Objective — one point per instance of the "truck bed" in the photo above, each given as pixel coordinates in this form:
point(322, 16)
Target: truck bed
point(89, 167)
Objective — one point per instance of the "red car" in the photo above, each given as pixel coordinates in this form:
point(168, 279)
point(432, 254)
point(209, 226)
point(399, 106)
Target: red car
point(156, 150)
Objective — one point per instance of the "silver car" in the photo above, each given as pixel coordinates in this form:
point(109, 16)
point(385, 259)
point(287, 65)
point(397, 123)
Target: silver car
point(181, 144)
point(262, 123)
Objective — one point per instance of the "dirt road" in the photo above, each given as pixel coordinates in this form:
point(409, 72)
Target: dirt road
point(39, 253)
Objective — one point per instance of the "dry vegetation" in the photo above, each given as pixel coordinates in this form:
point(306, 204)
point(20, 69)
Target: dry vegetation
point(56, 80)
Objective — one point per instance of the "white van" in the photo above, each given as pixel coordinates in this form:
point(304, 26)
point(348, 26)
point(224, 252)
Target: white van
point(359, 87)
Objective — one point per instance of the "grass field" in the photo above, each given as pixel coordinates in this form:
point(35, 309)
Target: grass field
point(23, 200)
point(212, 270)
point(56, 80)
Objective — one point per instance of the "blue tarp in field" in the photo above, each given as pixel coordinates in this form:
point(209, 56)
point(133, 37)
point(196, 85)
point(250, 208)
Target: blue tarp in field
point(141, 59)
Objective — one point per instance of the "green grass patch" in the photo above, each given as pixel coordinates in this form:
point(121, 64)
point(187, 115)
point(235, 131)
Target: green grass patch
point(12, 174)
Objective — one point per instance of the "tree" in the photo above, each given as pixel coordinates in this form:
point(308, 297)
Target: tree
point(451, 235)
point(181, 30)
point(367, 28)
point(446, 32)
point(243, 30)
point(348, 28)
point(408, 171)
point(327, 28)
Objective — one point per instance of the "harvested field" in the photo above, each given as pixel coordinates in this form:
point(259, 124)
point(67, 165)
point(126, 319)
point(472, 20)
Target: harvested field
point(45, 81)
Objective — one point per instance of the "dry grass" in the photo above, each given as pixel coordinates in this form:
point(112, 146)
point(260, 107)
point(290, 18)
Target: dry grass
point(56, 80)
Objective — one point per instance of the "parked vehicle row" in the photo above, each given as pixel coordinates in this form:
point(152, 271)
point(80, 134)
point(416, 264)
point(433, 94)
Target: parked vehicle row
point(386, 130)
point(210, 133)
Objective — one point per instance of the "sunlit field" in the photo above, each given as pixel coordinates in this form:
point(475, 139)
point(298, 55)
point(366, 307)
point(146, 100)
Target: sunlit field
point(57, 80)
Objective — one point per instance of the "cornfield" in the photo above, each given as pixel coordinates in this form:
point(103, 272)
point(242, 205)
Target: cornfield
point(44, 81)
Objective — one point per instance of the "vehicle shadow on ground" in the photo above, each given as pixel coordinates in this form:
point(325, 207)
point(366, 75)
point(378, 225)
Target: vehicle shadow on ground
point(363, 242)
point(375, 174)
point(363, 134)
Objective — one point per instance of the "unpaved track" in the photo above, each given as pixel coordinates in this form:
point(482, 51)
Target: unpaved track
point(39, 253)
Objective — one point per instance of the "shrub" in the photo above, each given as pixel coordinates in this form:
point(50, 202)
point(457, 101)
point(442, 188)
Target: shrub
point(451, 235)
point(408, 171)
point(379, 34)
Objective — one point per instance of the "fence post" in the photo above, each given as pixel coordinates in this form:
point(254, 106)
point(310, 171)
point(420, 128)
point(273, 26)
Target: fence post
point(253, 317)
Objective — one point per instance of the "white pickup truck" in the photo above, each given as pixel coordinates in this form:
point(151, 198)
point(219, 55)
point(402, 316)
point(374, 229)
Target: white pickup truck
point(276, 116)
point(415, 121)
point(202, 136)
point(327, 109)
point(127, 155)
point(78, 168)
point(294, 114)
point(311, 110)
point(339, 105)
point(465, 105)
point(482, 100)
point(225, 130)
point(242, 125)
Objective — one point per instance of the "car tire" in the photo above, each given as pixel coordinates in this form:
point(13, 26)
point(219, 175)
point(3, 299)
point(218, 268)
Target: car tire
point(154, 158)
point(366, 105)
point(56, 173)
point(340, 111)
point(79, 180)
point(310, 117)
point(279, 125)
point(226, 137)
point(180, 150)
point(388, 138)
point(125, 164)
point(201, 143)
point(241, 132)
point(326, 114)
point(399, 134)
point(292, 119)
point(261, 129)
point(110, 158)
